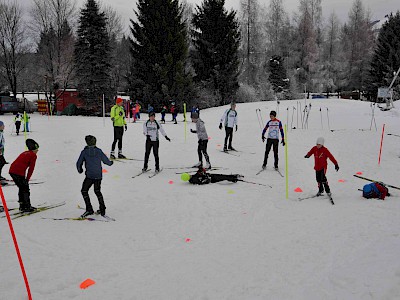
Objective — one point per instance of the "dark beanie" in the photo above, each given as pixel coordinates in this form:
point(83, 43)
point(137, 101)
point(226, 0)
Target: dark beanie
point(90, 140)
point(152, 113)
point(31, 144)
point(195, 115)
point(272, 113)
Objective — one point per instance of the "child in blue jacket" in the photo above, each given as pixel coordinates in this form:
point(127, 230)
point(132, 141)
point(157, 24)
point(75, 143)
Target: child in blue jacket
point(92, 157)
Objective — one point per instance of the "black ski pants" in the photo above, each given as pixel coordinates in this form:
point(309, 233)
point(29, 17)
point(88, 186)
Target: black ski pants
point(87, 183)
point(322, 181)
point(17, 126)
point(202, 150)
point(274, 143)
point(149, 145)
point(2, 163)
point(228, 135)
point(118, 133)
point(23, 190)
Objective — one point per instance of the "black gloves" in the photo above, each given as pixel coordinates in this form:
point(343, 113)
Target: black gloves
point(337, 168)
point(263, 138)
point(236, 128)
point(112, 163)
point(167, 138)
point(220, 125)
point(283, 142)
point(112, 119)
point(306, 156)
point(121, 113)
point(80, 171)
point(193, 131)
point(126, 127)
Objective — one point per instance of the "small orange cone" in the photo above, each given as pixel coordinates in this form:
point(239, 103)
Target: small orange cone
point(171, 182)
point(359, 173)
point(105, 171)
point(86, 283)
point(342, 180)
point(298, 190)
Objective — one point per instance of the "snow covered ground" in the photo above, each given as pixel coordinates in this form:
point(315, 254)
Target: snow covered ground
point(173, 240)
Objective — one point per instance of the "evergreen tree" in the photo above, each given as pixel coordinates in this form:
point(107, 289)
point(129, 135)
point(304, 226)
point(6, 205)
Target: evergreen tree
point(92, 54)
point(277, 75)
point(386, 58)
point(216, 38)
point(159, 51)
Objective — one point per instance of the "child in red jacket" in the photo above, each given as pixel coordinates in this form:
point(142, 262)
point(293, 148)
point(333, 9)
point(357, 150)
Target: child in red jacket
point(321, 155)
point(25, 161)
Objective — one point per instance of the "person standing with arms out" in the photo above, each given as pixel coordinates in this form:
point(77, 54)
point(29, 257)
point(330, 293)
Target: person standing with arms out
point(119, 122)
point(25, 161)
point(150, 130)
point(17, 121)
point(274, 126)
point(92, 157)
point(229, 119)
point(321, 155)
point(203, 141)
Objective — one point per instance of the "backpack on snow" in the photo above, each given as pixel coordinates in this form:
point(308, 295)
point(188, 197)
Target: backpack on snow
point(375, 190)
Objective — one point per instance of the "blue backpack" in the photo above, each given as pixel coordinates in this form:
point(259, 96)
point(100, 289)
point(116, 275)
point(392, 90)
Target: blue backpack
point(371, 191)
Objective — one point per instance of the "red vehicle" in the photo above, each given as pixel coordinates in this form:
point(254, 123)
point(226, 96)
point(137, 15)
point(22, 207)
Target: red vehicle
point(66, 97)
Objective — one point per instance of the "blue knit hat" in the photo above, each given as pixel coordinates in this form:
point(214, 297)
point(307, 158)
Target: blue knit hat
point(1, 123)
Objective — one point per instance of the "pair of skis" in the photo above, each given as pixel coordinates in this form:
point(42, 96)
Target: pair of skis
point(15, 214)
point(388, 185)
point(318, 195)
point(277, 170)
point(150, 176)
point(104, 218)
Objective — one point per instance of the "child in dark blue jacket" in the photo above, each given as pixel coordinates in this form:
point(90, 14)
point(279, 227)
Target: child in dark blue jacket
point(93, 157)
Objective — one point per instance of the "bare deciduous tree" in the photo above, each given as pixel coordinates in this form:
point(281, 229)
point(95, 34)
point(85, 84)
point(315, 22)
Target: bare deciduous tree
point(52, 25)
point(13, 45)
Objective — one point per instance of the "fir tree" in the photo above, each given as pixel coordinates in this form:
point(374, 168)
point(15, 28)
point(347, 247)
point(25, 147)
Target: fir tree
point(277, 75)
point(216, 38)
point(386, 58)
point(92, 54)
point(159, 52)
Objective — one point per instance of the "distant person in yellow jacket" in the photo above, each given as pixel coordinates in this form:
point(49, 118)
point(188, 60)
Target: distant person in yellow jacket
point(118, 118)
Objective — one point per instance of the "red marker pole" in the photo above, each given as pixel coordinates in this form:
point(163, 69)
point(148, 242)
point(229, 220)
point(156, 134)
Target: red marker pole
point(15, 244)
point(380, 150)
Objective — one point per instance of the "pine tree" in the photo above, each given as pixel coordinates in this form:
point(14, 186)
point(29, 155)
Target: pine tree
point(277, 75)
point(92, 54)
point(386, 58)
point(216, 39)
point(159, 51)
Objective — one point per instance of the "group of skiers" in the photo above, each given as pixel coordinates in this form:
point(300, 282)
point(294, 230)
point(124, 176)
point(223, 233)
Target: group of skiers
point(92, 157)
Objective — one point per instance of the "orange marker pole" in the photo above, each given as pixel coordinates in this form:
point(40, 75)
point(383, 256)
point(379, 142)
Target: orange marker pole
point(15, 244)
point(380, 150)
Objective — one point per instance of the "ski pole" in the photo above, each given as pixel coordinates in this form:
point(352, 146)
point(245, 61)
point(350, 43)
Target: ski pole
point(297, 112)
point(259, 119)
point(380, 150)
point(251, 182)
point(322, 125)
point(291, 125)
point(327, 114)
point(287, 115)
point(21, 263)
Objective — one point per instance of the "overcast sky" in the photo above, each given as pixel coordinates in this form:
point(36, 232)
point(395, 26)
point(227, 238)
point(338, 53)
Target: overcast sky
point(378, 8)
